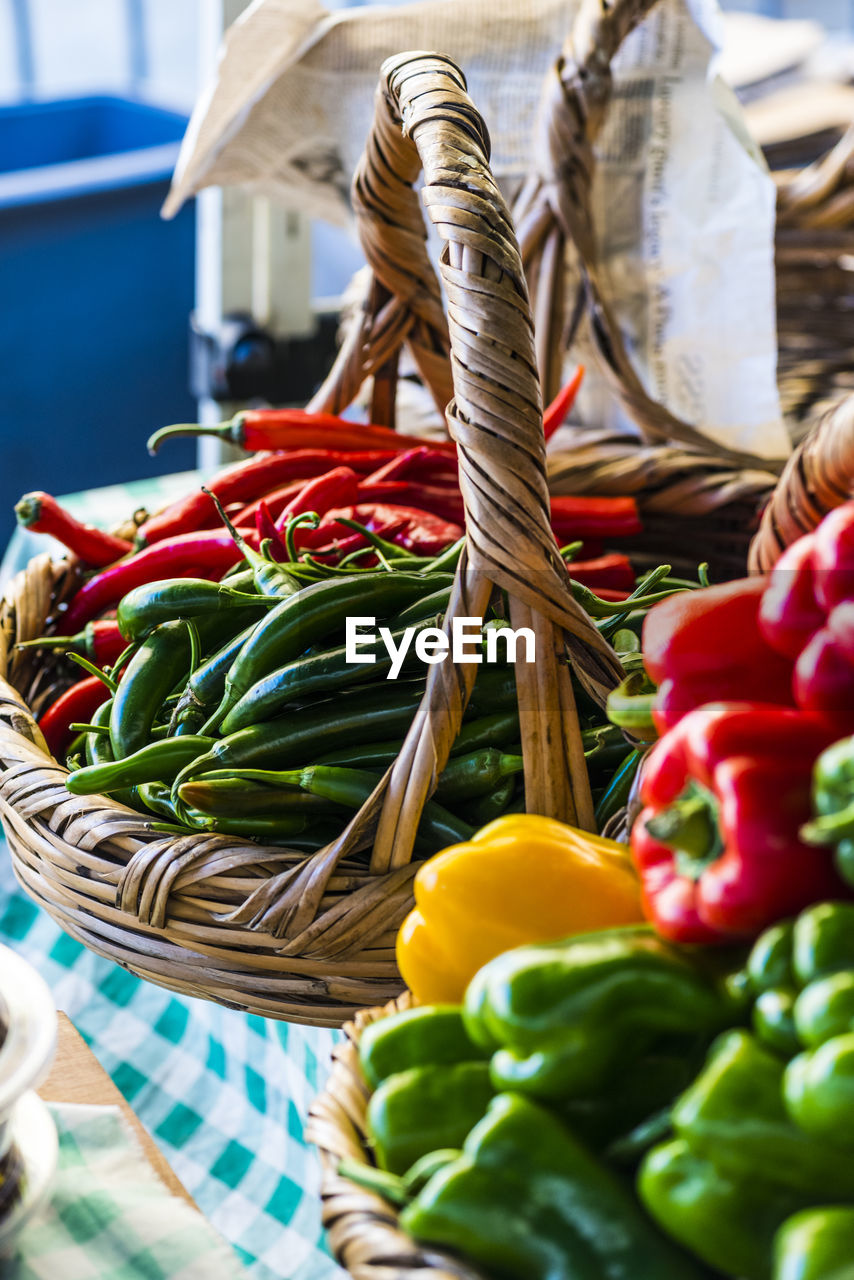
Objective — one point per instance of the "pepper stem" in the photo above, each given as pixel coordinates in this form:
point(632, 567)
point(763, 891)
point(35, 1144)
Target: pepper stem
point(231, 431)
point(690, 828)
point(830, 828)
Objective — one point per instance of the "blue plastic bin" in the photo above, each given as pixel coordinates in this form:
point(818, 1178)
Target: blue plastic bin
point(95, 296)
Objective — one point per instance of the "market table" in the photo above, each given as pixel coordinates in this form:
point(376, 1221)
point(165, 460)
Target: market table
point(223, 1094)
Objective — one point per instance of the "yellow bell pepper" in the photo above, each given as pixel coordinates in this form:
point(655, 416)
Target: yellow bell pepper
point(522, 878)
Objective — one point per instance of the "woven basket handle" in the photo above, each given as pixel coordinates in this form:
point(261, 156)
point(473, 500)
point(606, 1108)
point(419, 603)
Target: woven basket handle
point(403, 299)
point(555, 209)
point(424, 116)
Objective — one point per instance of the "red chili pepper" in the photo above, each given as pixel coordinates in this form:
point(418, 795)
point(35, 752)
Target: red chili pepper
point(42, 514)
point(76, 706)
point(574, 518)
point(245, 482)
point(414, 530)
point(424, 461)
point(446, 503)
point(99, 640)
point(611, 594)
point(701, 646)
point(207, 553)
point(606, 573)
point(338, 488)
point(267, 532)
point(559, 408)
point(257, 429)
point(275, 501)
point(717, 845)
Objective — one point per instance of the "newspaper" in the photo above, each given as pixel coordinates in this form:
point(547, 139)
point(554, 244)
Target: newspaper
point(684, 205)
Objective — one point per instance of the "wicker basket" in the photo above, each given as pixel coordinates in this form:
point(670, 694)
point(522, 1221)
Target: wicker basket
point(363, 1228)
point(699, 500)
point(267, 929)
point(693, 494)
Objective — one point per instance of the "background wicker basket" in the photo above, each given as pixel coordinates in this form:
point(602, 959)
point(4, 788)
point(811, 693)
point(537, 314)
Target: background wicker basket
point(699, 501)
point(266, 929)
point(363, 1228)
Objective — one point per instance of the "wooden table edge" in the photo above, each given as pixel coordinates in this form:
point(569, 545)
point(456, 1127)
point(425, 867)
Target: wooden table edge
point(76, 1076)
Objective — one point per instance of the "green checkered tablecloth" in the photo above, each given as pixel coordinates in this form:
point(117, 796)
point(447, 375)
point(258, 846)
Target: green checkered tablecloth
point(224, 1094)
point(108, 1216)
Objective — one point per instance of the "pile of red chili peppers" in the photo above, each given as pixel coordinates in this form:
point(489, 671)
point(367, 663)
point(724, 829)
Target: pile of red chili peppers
point(755, 679)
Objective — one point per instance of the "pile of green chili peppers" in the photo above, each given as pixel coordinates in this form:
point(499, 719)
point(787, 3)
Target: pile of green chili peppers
point(613, 1107)
point(235, 710)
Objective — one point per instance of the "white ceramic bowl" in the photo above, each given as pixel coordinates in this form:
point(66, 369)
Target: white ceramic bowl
point(27, 1049)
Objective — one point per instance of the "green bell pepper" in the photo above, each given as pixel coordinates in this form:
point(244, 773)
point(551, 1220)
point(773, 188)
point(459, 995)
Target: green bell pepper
point(817, 1244)
point(565, 1019)
point(420, 1037)
point(615, 1121)
point(415, 1112)
point(800, 975)
point(818, 1090)
point(734, 1115)
point(833, 804)
point(526, 1201)
point(729, 1222)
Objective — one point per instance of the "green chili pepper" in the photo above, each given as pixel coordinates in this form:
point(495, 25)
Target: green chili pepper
point(350, 788)
point(314, 673)
point(233, 796)
point(429, 607)
point(99, 748)
point(487, 731)
point(616, 794)
point(284, 743)
point(146, 607)
point(159, 662)
point(301, 620)
point(487, 808)
point(476, 774)
point(158, 762)
point(630, 706)
point(154, 796)
point(206, 685)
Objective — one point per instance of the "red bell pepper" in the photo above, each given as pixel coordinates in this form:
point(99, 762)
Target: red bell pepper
point(806, 613)
point(717, 845)
point(701, 646)
point(789, 614)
